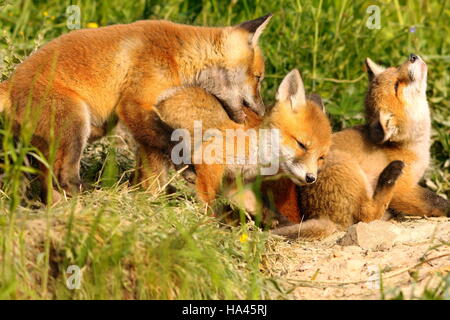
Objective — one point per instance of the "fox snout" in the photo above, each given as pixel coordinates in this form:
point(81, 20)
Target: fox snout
point(300, 173)
point(304, 179)
point(310, 178)
point(256, 105)
point(413, 58)
point(417, 68)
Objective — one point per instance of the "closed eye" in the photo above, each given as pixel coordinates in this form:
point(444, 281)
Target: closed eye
point(301, 145)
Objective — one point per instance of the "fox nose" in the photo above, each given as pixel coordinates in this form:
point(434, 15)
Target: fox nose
point(413, 57)
point(310, 178)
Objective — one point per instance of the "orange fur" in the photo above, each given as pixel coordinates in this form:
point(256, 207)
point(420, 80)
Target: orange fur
point(375, 166)
point(284, 195)
point(297, 119)
point(4, 97)
point(76, 83)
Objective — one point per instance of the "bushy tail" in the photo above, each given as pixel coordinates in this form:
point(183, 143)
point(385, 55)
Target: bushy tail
point(4, 97)
point(312, 229)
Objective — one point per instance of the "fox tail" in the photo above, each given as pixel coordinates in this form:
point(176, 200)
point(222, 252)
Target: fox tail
point(311, 229)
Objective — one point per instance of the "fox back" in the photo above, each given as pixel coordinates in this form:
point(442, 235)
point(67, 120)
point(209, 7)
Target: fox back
point(98, 66)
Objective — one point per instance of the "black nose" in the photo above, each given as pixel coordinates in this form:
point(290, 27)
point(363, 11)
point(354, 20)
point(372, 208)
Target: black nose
point(310, 178)
point(413, 57)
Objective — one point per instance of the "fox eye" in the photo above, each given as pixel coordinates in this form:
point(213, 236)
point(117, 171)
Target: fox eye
point(322, 158)
point(258, 77)
point(301, 145)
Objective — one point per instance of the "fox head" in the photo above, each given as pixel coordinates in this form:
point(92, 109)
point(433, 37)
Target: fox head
point(396, 105)
point(305, 131)
point(236, 80)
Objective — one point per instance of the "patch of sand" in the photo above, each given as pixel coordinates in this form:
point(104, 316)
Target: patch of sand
point(326, 270)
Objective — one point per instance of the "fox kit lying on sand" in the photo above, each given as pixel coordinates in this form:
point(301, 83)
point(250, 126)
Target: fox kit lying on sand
point(85, 78)
point(378, 165)
point(303, 128)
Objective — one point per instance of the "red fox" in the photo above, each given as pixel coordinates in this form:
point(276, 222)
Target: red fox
point(378, 165)
point(303, 128)
point(85, 78)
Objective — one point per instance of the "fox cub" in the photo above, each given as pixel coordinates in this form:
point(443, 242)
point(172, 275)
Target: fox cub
point(87, 78)
point(302, 127)
point(378, 165)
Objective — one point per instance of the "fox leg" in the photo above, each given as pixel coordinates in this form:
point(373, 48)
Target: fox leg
point(152, 168)
point(418, 201)
point(152, 161)
point(373, 209)
point(244, 198)
point(69, 121)
point(69, 176)
point(70, 152)
point(311, 229)
point(188, 172)
point(209, 180)
point(44, 179)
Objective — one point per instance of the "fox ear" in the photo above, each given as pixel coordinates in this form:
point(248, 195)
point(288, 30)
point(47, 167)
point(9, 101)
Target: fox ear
point(373, 69)
point(291, 89)
point(255, 28)
point(383, 127)
point(317, 99)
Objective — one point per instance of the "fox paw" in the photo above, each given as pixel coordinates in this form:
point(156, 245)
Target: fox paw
point(391, 173)
point(189, 175)
point(170, 189)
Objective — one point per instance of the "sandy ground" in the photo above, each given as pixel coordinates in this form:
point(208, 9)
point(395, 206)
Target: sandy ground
point(326, 270)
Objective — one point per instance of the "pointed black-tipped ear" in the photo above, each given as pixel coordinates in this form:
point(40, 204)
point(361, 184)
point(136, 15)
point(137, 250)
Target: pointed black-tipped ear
point(373, 69)
point(255, 28)
point(317, 99)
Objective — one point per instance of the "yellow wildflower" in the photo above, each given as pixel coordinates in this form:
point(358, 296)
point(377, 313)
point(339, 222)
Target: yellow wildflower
point(243, 238)
point(92, 25)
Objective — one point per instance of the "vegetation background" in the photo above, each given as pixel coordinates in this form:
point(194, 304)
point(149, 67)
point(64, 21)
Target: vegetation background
point(131, 245)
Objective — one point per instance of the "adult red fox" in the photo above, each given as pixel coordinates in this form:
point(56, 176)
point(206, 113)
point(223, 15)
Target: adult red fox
point(302, 127)
point(375, 166)
point(77, 83)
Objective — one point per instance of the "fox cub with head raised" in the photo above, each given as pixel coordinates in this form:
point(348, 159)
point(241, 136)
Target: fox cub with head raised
point(378, 165)
point(302, 128)
point(87, 77)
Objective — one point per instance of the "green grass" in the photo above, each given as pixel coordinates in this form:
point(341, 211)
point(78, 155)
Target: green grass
point(132, 246)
